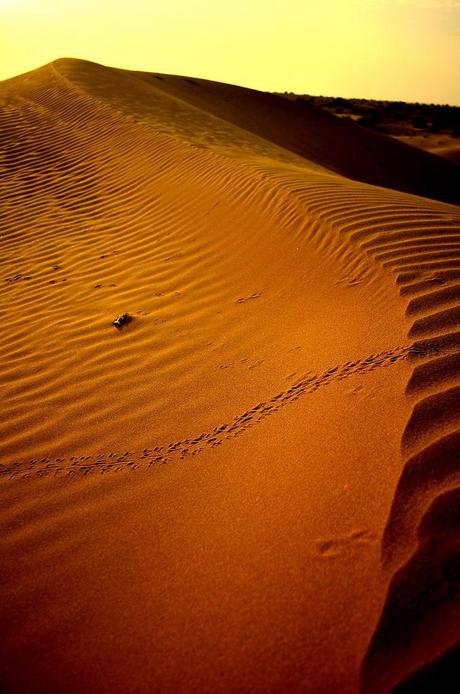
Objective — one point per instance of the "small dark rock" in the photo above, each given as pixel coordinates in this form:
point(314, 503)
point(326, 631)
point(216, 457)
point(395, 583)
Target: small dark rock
point(122, 320)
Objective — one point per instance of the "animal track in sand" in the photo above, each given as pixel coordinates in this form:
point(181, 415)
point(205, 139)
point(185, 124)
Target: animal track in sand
point(179, 450)
point(244, 299)
point(19, 277)
point(108, 254)
point(332, 546)
point(350, 281)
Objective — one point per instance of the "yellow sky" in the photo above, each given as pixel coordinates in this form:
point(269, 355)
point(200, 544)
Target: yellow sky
point(388, 49)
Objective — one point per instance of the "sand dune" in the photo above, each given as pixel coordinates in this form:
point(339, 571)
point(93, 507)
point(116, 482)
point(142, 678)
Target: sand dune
point(253, 485)
point(443, 145)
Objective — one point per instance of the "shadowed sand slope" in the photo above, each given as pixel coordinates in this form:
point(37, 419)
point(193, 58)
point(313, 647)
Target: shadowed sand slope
point(253, 485)
point(332, 143)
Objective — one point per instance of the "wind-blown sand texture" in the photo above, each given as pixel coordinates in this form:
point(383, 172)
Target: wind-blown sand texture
point(254, 485)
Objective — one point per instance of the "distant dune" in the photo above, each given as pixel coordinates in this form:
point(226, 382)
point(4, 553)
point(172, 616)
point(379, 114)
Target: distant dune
point(253, 484)
point(431, 127)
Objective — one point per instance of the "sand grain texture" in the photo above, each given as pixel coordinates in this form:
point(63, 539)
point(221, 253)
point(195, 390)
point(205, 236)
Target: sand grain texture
point(254, 484)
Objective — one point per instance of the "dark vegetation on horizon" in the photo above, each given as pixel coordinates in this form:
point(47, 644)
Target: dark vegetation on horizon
point(390, 117)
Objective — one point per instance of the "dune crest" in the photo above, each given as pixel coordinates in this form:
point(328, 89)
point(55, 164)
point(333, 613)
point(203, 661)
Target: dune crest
point(204, 487)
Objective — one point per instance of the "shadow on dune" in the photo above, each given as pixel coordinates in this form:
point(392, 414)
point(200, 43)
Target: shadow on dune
point(315, 135)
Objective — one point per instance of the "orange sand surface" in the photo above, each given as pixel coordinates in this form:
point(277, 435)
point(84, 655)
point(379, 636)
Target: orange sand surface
point(253, 486)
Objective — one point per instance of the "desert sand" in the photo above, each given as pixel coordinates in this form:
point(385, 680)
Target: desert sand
point(252, 486)
point(442, 145)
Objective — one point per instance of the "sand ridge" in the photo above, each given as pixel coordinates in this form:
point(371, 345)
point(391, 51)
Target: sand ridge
point(187, 205)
